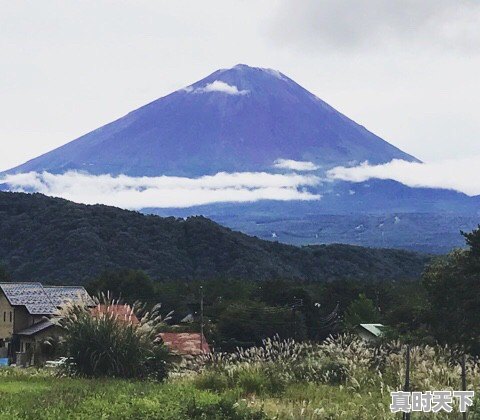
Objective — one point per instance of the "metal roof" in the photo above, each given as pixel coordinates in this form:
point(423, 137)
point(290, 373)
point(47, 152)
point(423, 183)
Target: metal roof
point(30, 295)
point(40, 300)
point(36, 328)
point(375, 329)
point(60, 295)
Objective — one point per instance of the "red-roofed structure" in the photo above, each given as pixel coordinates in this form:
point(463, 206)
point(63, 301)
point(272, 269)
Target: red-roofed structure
point(123, 313)
point(185, 344)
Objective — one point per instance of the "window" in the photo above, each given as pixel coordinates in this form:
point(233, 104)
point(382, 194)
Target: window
point(4, 317)
point(11, 316)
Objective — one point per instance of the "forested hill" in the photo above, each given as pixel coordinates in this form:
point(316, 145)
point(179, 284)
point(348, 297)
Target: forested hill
point(56, 241)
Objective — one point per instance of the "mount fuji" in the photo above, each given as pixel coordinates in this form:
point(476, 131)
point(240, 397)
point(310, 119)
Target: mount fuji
point(235, 120)
point(255, 120)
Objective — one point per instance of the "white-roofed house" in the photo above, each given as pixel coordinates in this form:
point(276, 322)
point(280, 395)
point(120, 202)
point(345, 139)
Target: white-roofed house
point(370, 332)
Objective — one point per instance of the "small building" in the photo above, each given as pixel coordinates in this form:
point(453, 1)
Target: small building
point(369, 332)
point(185, 343)
point(25, 310)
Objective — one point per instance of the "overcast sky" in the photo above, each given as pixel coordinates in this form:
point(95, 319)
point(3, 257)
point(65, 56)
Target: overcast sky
point(407, 70)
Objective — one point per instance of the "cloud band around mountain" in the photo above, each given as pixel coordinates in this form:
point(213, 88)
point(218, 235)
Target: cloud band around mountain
point(459, 175)
point(165, 191)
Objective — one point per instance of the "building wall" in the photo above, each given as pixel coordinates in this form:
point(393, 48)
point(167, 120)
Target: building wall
point(30, 347)
point(22, 319)
point(6, 313)
point(366, 335)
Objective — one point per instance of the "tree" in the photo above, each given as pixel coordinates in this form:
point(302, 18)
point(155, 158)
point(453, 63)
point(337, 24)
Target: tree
point(130, 285)
point(454, 296)
point(248, 323)
point(453, 287)
point(361, 311)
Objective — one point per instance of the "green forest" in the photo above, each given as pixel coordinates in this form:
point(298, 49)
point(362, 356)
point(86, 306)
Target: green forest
point(59, 242)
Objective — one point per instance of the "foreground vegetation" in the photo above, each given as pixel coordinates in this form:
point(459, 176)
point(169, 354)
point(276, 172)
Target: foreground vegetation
point(38, 395)
point(342, 378)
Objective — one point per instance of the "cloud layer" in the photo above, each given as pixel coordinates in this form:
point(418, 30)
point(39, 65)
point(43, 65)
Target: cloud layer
point(137, 193)
point(366, 24)
point(217, 86)
point(459, 175)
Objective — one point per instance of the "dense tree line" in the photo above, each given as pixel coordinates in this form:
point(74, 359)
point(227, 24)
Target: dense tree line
point(60, 242)
point(441, 307)
point(252, 288)
point(242, 313)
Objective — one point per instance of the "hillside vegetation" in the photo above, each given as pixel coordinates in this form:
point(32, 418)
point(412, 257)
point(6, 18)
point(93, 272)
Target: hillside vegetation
point(57, 241)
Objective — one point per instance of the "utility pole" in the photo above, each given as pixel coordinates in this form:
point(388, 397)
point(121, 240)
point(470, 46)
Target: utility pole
point(296, 303)
point(201, 319)
point(464, 379)
point(406, 416)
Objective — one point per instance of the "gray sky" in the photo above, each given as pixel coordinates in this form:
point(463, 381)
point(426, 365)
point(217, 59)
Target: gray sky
point(407, 70)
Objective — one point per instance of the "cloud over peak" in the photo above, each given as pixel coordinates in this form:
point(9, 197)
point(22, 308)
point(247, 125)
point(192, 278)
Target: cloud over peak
point(217, 86)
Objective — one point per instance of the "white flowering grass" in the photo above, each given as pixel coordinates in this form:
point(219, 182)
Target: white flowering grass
point(342, 377)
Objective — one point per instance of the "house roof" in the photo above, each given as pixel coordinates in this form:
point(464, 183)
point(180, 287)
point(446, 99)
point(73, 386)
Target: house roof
point(184, 343)
point(30, 295)
point(123, 313)
point(375, 329)
point(36, 328)
point(42, 300)
point(60, 295)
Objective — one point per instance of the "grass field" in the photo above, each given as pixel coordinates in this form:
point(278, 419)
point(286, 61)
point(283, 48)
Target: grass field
point(339, 379)
point(33, 394)
point(37, 394)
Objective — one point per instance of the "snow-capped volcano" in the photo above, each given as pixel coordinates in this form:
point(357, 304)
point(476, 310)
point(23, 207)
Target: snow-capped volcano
point(235, 120)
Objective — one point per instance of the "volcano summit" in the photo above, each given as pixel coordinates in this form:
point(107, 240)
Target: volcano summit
point(235, 120)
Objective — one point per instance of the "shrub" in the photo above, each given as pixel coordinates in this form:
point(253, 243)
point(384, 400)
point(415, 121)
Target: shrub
point(334, 372)
point(106, 344)
point(225, 408)
point(252, 381)
point(213, 381)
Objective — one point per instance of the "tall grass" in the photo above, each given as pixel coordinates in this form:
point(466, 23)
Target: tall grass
point(104, 342)
point(343, 374)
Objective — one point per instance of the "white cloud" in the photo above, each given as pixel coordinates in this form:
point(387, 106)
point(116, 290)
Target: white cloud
point(459, 174)
point(217, 86)
point(136, 193)
point(295, 165)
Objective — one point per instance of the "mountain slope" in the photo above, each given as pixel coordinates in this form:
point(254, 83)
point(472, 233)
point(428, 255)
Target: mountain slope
point(57, 241)
point(238, 119)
